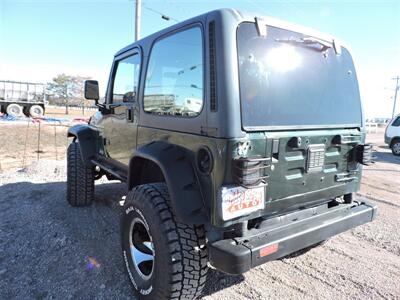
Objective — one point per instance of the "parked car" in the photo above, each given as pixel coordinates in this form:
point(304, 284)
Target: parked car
point(240, 139)
point(392, 135)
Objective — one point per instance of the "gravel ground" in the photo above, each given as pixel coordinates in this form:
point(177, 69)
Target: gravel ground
point(49, 250)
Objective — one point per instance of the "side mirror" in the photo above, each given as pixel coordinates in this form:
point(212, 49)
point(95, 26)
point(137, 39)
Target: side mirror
point(92, 90)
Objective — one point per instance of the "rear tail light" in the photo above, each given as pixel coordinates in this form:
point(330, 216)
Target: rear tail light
point(250, 172)
point(363, 154)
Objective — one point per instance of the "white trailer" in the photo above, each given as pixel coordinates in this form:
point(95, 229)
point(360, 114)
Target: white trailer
point(22, 98)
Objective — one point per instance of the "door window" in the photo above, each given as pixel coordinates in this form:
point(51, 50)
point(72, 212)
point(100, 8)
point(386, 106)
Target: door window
point(126, 79)
point(174, 79)
point(396, 122)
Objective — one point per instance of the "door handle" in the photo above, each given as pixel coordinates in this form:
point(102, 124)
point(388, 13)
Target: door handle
point(129, 114)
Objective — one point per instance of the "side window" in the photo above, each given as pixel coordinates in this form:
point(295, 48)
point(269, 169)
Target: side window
point(396, 122)
point(174, 79)
point(126, 79)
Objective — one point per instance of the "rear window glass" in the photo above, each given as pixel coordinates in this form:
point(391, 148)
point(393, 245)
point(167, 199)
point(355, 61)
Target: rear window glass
point(288, 79)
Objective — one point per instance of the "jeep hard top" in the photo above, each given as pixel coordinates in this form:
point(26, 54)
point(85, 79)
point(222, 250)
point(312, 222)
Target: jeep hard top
point(241, 140)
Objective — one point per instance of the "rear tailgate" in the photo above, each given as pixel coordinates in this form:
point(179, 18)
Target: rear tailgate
point(309, 167)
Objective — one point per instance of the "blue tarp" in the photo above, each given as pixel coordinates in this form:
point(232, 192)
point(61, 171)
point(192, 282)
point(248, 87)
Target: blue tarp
point(26, 119)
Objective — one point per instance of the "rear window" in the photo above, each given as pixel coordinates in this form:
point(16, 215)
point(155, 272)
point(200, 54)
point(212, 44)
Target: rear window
point(288, 79)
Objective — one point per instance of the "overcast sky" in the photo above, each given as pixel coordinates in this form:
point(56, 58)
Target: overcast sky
point(40, 39)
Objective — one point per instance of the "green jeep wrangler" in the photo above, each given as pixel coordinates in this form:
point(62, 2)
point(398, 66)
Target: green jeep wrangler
point(241, 141)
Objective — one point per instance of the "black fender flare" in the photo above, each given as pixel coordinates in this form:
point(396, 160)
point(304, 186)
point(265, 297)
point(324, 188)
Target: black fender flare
point(177, 165)
point(88, 139)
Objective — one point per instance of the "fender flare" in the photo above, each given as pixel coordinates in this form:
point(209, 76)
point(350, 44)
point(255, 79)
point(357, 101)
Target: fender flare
point(176, 164)
point(87, 137)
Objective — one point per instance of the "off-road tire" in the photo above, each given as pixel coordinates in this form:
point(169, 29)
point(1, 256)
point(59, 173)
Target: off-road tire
point(395, 146)
point(80, 178)
point(180, 257)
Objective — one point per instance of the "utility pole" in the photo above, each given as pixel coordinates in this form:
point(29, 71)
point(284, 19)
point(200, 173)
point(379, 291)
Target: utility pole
point(138, 14)
point(395, 95)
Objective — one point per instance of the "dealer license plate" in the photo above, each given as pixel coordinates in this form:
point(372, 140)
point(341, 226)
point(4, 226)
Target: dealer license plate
point(238, 201)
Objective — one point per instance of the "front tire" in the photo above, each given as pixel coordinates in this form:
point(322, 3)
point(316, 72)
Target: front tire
point(165, 259)
point(80, 178)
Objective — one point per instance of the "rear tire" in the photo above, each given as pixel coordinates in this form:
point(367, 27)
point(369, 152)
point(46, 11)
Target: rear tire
point(80, 178)
point(14, 110)
point(36, 111)
point(165, 259)
point(396, 147)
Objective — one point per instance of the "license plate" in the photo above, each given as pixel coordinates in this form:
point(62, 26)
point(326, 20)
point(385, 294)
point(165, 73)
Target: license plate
point(238, 201)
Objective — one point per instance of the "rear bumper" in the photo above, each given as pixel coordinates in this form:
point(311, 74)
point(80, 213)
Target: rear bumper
point(287, 234)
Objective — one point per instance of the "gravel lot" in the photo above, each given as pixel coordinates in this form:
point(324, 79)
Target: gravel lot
point(51, 251)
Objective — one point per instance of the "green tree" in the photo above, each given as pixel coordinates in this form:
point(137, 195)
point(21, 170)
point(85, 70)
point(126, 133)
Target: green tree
point(67, 88)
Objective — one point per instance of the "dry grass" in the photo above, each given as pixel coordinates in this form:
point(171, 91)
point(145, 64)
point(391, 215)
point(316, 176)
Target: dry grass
point(19, 145)
point(73, 112)
point(23, 144)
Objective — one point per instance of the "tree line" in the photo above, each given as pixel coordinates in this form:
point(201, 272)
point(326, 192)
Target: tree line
point(67, 90)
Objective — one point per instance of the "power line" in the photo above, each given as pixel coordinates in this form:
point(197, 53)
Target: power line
point(164, 16)
point(138, 16)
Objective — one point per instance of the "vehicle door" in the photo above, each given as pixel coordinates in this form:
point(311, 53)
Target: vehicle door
point(123, 103)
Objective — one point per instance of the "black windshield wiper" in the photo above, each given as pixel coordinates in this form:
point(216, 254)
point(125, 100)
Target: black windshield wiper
point(309, 41)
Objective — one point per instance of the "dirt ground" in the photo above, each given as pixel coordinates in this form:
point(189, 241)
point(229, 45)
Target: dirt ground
point(52, 251)
point(55, 111)
point(23, 143)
